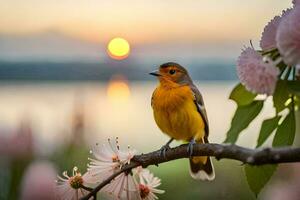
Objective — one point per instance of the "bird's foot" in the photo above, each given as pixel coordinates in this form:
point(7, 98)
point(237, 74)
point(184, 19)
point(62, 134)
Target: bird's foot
point(164, 148)
point(190, 147)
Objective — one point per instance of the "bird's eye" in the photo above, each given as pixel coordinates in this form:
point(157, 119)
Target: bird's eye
point(172, 71)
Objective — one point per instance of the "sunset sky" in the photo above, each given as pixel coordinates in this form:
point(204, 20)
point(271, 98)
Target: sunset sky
point(142, 21)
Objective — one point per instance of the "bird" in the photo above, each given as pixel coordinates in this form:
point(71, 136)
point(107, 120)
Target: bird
point(179, 112)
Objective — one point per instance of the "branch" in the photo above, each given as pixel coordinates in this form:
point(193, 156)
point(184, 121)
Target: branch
point(219, 151)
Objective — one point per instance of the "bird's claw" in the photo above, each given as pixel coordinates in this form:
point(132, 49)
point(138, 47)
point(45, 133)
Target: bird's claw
point(190, 147)
point(163, 150)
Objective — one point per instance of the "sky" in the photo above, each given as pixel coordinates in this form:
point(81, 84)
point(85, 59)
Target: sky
point(208, 23)
point(141, 21)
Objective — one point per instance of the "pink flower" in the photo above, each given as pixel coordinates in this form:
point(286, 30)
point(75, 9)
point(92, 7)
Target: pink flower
point(21, 145)
point(296, 2)
point(298, 72)
point(288, 37)
point(38, 181)
point(17, 144)
point(268, 38)
point(257, 75)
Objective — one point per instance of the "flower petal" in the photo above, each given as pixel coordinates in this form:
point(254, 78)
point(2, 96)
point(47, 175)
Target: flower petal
point(288, 37)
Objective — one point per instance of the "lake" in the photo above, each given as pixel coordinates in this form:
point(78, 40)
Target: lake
point(109, 110)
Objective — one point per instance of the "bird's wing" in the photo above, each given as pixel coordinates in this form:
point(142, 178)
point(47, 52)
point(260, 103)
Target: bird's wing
point(201, 108)
point(152, 98)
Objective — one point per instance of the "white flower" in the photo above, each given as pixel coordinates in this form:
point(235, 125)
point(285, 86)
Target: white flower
point(126, 156)
point(257, 74)
point(140, 170)
point(148, 185)
point(123, 187)
point(288, 37)
point(108, 159)
point(69, 187)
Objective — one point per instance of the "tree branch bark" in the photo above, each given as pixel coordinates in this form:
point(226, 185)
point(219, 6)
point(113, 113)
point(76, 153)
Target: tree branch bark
point(219, 151)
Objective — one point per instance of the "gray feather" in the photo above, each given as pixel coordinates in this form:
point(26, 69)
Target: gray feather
point(200, 107)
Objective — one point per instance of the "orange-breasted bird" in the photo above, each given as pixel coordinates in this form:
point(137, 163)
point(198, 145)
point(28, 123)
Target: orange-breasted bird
point(179, 112)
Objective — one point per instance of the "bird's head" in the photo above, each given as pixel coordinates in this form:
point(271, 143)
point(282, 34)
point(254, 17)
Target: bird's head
point(172, 73)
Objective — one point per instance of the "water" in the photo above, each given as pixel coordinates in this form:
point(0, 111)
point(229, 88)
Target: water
point(50, 108)
point(121, 108)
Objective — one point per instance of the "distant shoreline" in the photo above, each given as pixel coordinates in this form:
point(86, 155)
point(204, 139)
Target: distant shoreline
point(88, 71)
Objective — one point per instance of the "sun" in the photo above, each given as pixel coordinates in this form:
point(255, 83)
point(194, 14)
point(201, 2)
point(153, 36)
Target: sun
point(118, 48)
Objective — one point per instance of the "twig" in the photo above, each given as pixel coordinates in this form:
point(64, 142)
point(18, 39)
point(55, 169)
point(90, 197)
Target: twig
point(268, 51)
point(219, 151)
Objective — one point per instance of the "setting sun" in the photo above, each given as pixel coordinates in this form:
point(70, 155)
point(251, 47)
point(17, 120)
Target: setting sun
point(118, 48)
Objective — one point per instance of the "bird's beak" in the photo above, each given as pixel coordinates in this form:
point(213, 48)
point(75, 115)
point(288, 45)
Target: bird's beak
point(155, 73)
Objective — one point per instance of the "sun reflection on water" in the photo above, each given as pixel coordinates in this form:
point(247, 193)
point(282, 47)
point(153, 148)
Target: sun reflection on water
point(118, 91)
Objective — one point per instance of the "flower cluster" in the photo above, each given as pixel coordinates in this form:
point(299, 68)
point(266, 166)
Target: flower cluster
point(288, 37)
point(268, 37)
point(259, 71)
point(136, 184)
point(258, 75)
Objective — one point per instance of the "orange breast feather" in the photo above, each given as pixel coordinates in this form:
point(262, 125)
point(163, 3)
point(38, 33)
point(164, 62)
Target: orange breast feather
point(176, 114)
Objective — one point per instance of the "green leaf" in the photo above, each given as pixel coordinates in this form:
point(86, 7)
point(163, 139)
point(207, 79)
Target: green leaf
point(280, 96)
point(258, 176)
point(241, 95)
point(297, 102)
point(242, 118)
point(267, 127)
point(285, 133)
point(294, 87)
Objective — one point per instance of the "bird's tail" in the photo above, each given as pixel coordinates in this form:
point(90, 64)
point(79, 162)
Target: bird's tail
point(201, 167)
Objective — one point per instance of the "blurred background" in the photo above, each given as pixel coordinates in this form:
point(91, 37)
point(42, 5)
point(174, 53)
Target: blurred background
point(66, 83)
